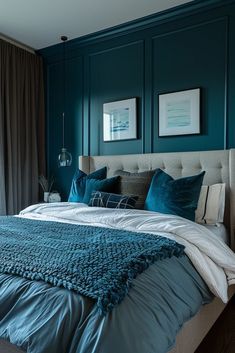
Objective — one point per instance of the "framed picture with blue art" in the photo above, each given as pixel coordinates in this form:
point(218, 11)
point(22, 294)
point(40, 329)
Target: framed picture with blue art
point(119, 120)
point(179, 113)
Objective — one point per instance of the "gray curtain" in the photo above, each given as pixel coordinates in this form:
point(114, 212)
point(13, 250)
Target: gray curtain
point(22, 140)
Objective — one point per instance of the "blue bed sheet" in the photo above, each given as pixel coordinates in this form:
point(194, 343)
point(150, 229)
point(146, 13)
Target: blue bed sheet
point(41, 318)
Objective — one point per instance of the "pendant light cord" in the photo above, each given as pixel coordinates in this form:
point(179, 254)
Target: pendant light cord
point(63, 129)
point(64, 39)
point(64, 158)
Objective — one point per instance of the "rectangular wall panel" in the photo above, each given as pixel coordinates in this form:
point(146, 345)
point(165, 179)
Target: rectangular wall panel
point(190, 58)
point(73, 106)
point(115, 74)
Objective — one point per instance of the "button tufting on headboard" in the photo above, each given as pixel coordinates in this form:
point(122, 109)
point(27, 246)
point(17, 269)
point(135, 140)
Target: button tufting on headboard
point(219, 167)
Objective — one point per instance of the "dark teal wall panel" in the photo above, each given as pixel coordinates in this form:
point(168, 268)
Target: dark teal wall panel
point(190, 58)
point(231, 82)
point(73, 118)
point(192, 46)
point(115, 74)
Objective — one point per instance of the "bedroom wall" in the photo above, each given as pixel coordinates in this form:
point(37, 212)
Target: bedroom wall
point(192, 46)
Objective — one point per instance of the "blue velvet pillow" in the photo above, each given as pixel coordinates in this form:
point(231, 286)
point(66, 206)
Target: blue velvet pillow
point(99, 185)
point(78, 186)
point(170, 196)
point(105, 199)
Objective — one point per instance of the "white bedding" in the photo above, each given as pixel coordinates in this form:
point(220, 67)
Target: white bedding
point(219, 230)
point(212, 258)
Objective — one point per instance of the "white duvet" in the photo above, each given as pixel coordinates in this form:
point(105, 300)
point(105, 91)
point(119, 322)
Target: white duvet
point(212, 258)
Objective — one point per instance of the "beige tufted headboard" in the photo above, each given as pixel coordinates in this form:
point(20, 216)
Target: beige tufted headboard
point(219, 166)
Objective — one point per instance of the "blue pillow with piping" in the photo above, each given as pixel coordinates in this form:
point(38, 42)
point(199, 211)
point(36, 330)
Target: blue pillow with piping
point(92, 185)
point(174, 196)
point(78, 186)
point(108, 200)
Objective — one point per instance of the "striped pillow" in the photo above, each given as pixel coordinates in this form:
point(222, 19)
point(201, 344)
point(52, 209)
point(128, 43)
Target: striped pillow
point(105, 199)
point(211, 204)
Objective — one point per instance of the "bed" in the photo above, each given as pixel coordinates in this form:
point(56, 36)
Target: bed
point(99, 334)
point(219, 167)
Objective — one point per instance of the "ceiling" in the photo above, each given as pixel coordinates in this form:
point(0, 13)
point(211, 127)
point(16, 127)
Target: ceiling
point(40, 23)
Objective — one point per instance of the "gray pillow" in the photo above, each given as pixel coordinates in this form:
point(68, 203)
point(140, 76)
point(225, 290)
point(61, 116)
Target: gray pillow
point(135, 184)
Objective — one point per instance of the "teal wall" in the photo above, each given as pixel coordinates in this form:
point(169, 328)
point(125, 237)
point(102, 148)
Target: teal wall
point(188, 47)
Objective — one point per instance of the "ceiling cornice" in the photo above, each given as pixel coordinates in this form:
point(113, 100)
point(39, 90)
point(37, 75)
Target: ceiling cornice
point(175, 13)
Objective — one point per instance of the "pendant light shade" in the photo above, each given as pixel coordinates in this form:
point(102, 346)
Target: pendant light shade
point(65, 157)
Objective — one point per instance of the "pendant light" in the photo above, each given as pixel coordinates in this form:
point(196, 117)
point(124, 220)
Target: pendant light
point(64, 158)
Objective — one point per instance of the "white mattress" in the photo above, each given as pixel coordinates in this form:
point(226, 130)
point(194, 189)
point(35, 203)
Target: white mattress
point(219, 230)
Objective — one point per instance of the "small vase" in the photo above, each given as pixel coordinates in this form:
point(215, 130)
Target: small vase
point(46, 196)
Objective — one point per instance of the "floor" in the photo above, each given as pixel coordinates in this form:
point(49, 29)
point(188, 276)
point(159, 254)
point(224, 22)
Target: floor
point(221, 337)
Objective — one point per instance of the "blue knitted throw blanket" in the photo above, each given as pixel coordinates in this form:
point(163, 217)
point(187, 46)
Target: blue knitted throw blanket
point(99, 263)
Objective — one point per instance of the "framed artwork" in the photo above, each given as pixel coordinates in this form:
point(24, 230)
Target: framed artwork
point(179, 113)
point(119, 120)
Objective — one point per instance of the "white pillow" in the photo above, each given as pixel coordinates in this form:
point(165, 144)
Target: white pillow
point(211, 203)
